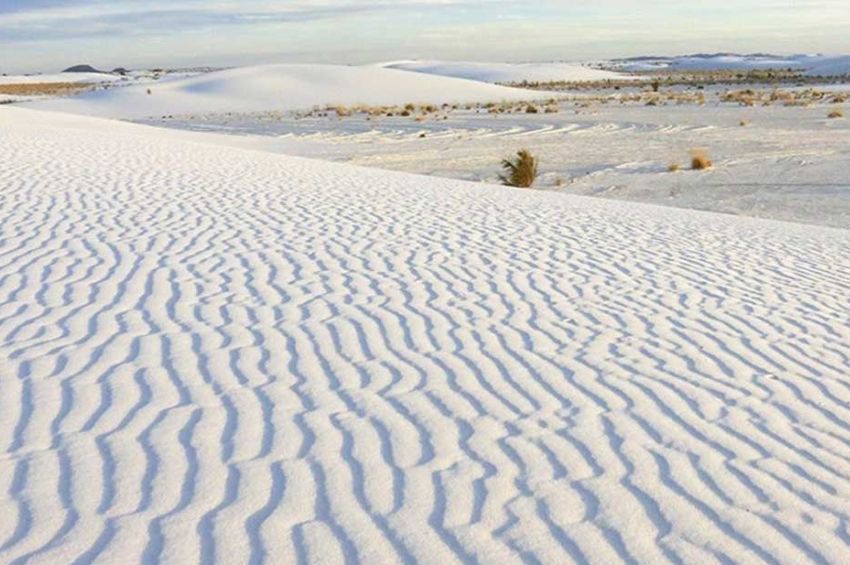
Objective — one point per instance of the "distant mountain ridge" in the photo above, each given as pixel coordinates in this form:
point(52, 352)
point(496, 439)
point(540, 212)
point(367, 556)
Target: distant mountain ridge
point(83, 69)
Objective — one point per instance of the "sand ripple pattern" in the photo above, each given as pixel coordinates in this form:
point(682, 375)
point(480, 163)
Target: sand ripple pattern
point(215, 355)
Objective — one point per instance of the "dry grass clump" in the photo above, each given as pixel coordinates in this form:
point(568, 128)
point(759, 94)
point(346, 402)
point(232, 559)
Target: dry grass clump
point(531, 109)
point(747, 97)
point(521, 171)
point(836, 114)
point(700, 160)
point(673, 168)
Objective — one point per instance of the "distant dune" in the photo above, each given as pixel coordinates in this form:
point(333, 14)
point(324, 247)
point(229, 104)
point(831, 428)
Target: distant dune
point(833, 66)
point(813, 65)
point(282, 87)
point(509, 72)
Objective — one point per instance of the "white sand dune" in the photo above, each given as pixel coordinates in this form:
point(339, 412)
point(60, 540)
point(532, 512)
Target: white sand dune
point(214, 354)
point(831, 66)
point(509, 72)
point(281, 87)
point(60, 77)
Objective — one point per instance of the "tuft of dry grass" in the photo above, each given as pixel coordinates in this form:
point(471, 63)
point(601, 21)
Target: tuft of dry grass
point(836, 114)
point(520, 172)
point(673, 167)
point(700, 160)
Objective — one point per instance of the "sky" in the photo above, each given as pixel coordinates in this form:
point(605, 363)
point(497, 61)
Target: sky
point(49, 35)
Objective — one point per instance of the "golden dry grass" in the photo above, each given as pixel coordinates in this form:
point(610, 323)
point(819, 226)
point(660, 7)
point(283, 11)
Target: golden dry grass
point(836, 114)
point(520, 172)
point(44, 89)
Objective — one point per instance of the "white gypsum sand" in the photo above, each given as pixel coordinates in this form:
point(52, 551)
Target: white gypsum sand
point(778, 162)
point(212, 353)
point(510, 72)
point(282, 87)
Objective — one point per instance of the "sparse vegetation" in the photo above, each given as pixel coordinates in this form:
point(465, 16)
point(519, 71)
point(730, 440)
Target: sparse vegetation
point(520, 172)
point(836, 114)
point(655, 80)
point(673, 167)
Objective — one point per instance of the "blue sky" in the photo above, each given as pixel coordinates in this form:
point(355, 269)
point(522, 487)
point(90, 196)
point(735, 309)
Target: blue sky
point(47, 35)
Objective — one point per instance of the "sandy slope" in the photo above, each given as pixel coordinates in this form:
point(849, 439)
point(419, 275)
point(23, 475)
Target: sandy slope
point(510, 72)
point(831, 66)
point(212, 353)
point(282, 87)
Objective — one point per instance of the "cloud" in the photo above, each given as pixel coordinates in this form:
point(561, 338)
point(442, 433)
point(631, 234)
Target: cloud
point(221, 31)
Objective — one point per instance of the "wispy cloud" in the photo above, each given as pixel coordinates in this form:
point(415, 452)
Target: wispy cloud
point(222, 31)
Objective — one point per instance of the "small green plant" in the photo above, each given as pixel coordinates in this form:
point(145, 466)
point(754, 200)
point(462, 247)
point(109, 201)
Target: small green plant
point(520, 172)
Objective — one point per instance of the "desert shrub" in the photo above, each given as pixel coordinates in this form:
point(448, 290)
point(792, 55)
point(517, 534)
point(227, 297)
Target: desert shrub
point(835, 114)
point(673, 167)
point(700, 160)
point(521, 171)
point(531, 109)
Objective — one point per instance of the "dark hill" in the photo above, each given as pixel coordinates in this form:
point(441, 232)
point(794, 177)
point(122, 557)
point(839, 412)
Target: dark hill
point(82, 69)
